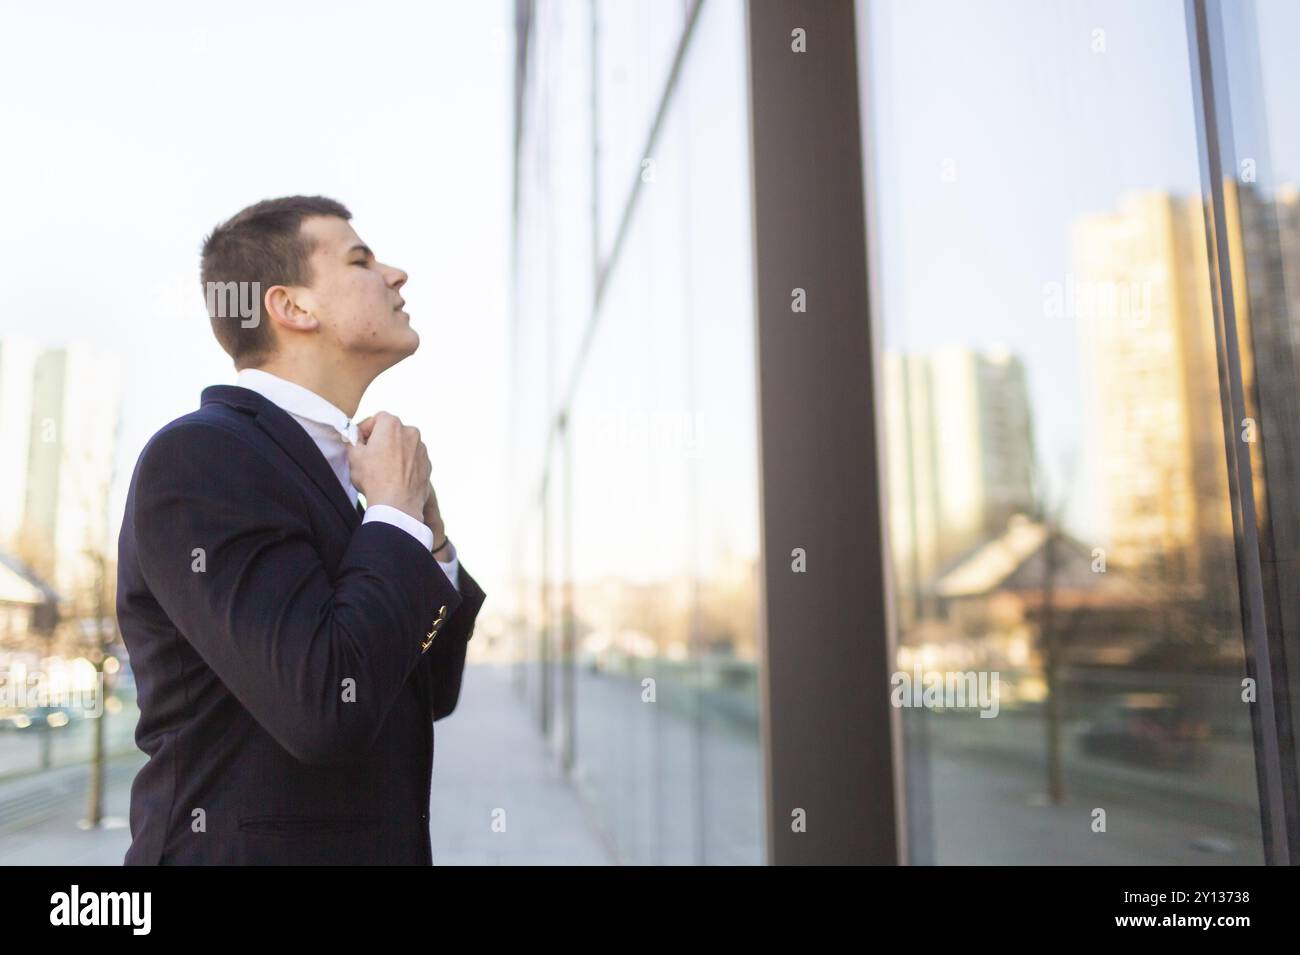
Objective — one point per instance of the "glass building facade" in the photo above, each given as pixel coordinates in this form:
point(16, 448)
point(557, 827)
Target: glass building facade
point(635, 429)
point(863, 345)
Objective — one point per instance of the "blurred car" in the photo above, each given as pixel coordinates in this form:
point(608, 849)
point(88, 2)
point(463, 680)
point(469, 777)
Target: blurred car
point(37, 718)
point(1150, 729)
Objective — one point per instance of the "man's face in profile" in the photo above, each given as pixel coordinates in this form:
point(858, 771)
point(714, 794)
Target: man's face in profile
point(356, 298)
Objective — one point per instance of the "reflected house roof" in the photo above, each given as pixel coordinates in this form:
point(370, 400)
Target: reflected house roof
point(19, 585)
point(1016, 561)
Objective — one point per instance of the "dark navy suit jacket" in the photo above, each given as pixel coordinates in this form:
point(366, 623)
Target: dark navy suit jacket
point(286, 705)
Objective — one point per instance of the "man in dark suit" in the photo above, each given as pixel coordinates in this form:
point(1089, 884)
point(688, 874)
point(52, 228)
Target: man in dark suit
point(291, 648)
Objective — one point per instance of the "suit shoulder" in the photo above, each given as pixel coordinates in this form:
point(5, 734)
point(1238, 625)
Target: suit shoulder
point(213, 431)
point(203, 424)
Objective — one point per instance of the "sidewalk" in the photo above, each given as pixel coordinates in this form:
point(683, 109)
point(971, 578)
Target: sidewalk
point(39, 815)
point(489, 762)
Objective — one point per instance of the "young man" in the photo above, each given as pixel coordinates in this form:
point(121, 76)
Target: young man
point(291, 649)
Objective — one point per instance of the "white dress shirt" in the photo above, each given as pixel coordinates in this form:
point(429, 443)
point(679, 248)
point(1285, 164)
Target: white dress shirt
point(330, 428)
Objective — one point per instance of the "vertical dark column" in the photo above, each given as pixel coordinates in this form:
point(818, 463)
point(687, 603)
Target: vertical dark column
point(826, 713)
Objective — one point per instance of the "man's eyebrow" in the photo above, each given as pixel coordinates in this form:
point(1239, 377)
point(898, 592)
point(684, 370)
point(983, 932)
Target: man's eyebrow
point(362, 248)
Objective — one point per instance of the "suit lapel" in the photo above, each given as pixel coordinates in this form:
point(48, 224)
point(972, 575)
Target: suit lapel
point(292, 439)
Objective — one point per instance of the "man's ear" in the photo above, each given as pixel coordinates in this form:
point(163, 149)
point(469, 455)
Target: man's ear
point(286, 306)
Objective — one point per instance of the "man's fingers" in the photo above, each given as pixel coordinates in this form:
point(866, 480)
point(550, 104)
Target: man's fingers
point(382, 422)
point(366, 428)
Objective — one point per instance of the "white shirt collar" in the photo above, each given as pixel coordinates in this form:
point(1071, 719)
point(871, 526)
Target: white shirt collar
point(330, 429)
point(298, 401)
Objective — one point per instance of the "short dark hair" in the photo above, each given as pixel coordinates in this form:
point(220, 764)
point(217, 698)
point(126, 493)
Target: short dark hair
point(263, 244)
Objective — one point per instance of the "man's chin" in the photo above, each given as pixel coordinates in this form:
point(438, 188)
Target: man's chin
point(399, 352)
point(407, 344)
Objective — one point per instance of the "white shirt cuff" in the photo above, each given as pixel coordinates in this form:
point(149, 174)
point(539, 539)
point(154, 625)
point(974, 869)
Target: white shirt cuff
point(391, 515)
point(451, 567)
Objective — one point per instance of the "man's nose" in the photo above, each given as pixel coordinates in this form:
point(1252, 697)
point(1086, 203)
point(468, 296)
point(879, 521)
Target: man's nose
point(396, 277)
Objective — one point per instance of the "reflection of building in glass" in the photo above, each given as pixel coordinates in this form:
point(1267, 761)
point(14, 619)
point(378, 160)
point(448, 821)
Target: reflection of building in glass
point(1267, 249)
point(997, 597)
point(1264, 231)
point(59, 420)
point(961, 456)
point(1146, 332)
point(620, 619)
point(1128, 632)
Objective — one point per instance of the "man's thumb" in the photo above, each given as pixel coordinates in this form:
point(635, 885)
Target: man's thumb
point(365, 427)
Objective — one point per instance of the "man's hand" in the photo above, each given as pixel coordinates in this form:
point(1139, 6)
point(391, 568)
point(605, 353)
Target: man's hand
point(391, 465)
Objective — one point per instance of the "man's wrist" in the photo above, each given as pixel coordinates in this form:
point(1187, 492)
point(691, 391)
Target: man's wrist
point(408, 506)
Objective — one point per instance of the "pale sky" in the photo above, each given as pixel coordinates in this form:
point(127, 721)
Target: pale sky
point(1041, 127)
point(131, 129)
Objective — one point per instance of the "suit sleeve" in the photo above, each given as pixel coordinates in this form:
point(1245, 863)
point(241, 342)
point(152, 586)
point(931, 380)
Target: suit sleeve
point(446, 657)
point(228, 550)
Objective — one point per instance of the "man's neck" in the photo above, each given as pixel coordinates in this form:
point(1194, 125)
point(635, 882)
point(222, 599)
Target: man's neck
point(340, 387)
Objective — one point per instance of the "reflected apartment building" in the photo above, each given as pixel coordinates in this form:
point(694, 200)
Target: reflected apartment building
point(792, 417)
point(1116, 630)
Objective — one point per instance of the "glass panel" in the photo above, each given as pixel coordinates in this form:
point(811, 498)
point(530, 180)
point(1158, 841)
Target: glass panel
point(1069, 645)
point(664, 520)
point(558, 657)
point(557, 197)
point(1262, 166)
point(636, 44)
point(719, 434)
